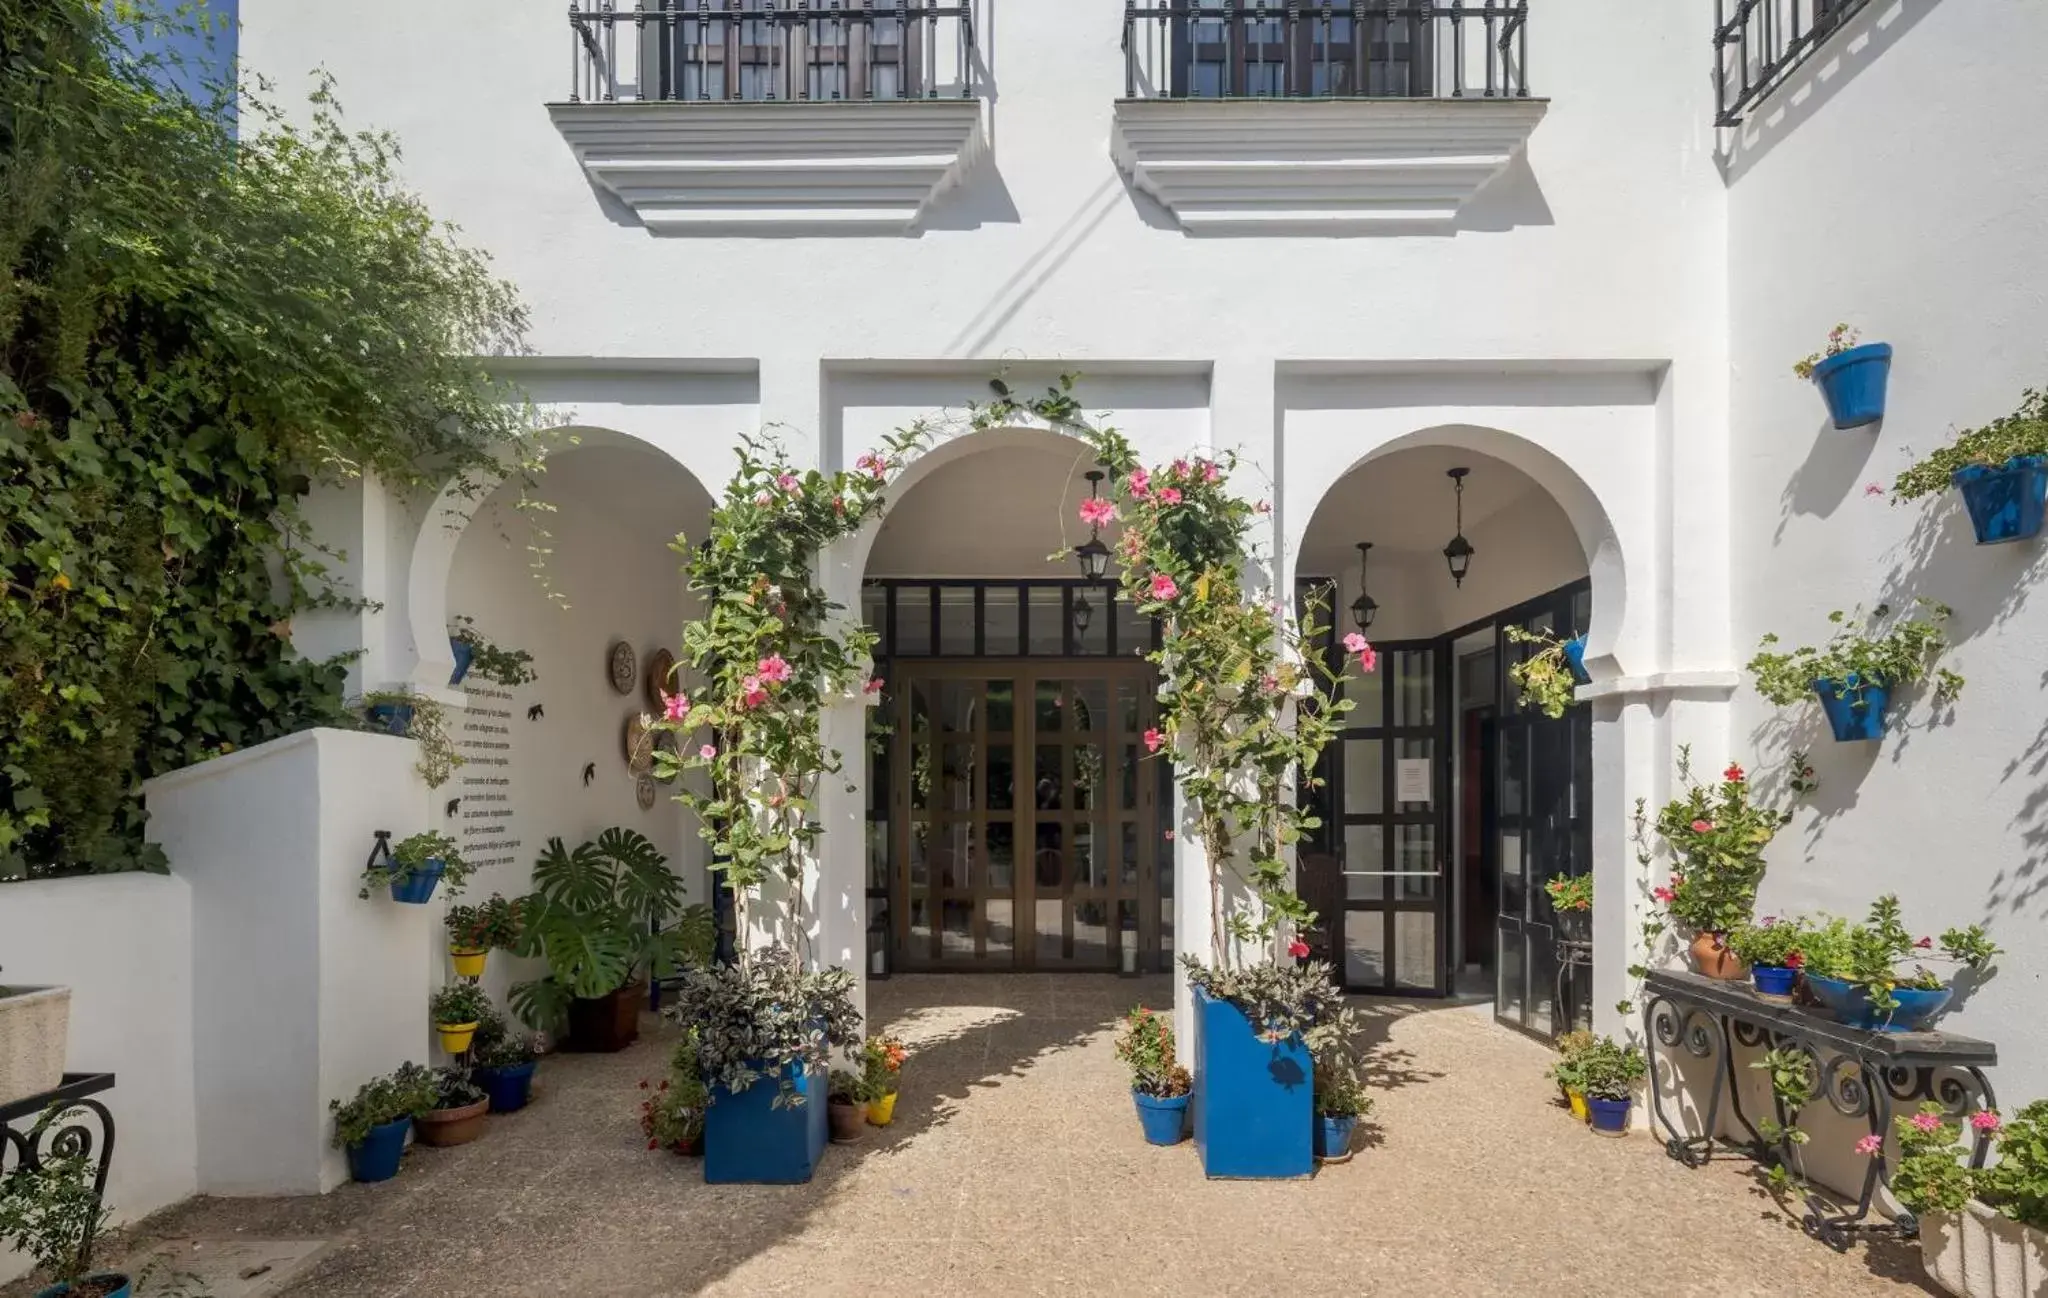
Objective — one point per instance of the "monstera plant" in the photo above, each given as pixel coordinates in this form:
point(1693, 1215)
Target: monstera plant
point(600, 915)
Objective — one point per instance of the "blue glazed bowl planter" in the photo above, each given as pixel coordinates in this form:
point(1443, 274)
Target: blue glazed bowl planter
point(416, 886)
point(1774, 982)
point(508, 1088)
point(1253, 1103)
point(1163, 1117)
point(1609, 1117)
point(1853, 384)
point(1333, 1137)
point(465, 654)
point(1855, 708)
point(1575, 658)
point(111, 1284)
point(748, 1141)
point(1849, 1004)
point(375, 1157)
point(2005, 503)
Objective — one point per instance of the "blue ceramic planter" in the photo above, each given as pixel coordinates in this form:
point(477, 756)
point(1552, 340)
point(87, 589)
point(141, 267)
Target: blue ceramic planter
point(1333, 1137)
point(376, 1158)
point(509, 1088)
point(1853, 383)
point(2005, 503)
point(1164, 1118)
point(104, 1277)
point(1575, 658)
point(394, 718)
point(1253, 1105)
point(416, 886)
point(1850, 1004)
point(748, 1141)
point(1610, 1117)
point(1773, 980)
point(465, 654)
point(1849, 720)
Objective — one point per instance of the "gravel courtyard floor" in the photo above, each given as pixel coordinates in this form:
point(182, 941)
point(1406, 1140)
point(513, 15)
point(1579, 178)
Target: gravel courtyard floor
point(1015, 1166)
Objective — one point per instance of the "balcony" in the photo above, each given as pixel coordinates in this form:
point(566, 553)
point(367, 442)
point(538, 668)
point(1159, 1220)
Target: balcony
point(1759, 44)
point(772, 116)
point(1329, 116)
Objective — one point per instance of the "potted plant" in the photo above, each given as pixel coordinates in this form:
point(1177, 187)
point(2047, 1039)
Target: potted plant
point(474, 930)
point(1717, 834)
point(1855, 672)
point(373, 1125)
point(1851, 376)
point(1159, 1085)
point(672, 1114)
point(415, 866)
point(35, 1029)
point(1610, 1071)
point(457, 1009)
point(1256, 1065)
point(1983, 1230)
point(1339, 1097)
point(456, 1116)
point(1774, 950)
point(1548, 675)
point(1571, 897)
point(502, 1062)
point(409, 715)
point(882, 1060)
point(764, 1030)
point(510, 668)
point(2001, 469)
point(846, 1109)
point(52, 1215)
point(1566, 1072)
point(601, 916)
point(1853, 969)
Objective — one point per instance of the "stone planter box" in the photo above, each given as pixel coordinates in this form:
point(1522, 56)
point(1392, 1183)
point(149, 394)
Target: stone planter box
point(35, 1024)
point(1976, 1253)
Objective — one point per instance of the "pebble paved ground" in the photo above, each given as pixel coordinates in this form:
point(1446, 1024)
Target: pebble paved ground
point(1016, 1167)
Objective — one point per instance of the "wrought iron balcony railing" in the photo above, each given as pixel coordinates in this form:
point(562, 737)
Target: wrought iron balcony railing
point(1315, 49)
point(1760, 43)
point(770, 50)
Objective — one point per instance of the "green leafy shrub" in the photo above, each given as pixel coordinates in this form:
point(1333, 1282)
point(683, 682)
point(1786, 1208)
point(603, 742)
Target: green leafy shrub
point(2023, 432)
point(1900, 657)
point(407, 1093)
point(52, 1214)
point(753, 1020)
point(1609, 1070)
point(1146, 1048)
point(1869, 954)
point(462, 1002)
point(1571, 1052)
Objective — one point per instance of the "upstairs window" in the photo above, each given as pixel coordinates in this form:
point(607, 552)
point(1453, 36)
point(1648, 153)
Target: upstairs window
point(1225, 49)
point(761, 50)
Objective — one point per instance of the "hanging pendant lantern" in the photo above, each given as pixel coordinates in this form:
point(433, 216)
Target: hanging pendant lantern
point(1458, 554)
point(1092, 554)
point(1365, 607)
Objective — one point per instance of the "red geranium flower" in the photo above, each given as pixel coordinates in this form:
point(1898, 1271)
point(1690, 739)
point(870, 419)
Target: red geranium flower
point(1733, 774)
point(1794, 960)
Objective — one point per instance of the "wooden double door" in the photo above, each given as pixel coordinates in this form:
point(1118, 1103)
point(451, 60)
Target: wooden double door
point(1024, 814)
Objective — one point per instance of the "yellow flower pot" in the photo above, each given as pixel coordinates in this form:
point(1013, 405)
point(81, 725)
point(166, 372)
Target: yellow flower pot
point(881, 1112)
point(455, 1036)
point(469, 961)
point(1579, 1109)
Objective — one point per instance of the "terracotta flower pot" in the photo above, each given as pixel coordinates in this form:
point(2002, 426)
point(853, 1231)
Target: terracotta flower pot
point(605, 1024)
point(452, 1126)
point(1711, 956)
point(849, 1123)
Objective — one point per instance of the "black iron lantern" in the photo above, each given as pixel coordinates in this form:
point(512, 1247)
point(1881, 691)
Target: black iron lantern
point(1084, 613)
point(1458, 554)
point(1365, 607)
point(1092, 553)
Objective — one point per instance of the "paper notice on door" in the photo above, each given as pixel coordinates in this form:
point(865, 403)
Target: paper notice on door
point(1411, 779)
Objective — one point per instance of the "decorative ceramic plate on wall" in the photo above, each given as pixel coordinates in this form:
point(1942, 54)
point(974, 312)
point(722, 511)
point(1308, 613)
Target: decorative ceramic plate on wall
point(622, 666)
point(644, 792)
point(639, 745)
point(658, 681)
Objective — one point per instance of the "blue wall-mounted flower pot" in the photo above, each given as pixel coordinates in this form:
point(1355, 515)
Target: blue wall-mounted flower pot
point(509, 1088)
point(1774, 980)
point(1575, 658)
point(1849, 1003)
point(394, 718)
point(375, 1158)
point(112, 1284)
point(1254, 1110)
point(1164, 1118)
point(1333, 1137)
point(2005, 503)
point(465, 654)
point(1855, 711)
point(416, 886)
point(1853, 383)
point(748, 1141)
point(1610, 1117)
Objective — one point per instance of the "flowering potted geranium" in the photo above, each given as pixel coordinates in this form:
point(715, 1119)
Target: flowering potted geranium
point(1718, 834)
point(882, 1060)
point(1773, 949)
point(474, 931)
point(2001, 470)
point(1851, 377)
point(1566, 1072)
point(1853, 969)
point(1983, 1230)
point(1571, 898)
point(457, 1009)
point(502, 1062)
point(1855, 672)
point(1610, 1072)
point(1159, 1085)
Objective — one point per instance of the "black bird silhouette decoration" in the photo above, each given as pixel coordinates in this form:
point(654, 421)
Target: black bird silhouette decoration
point(589, 774)
point(453, 804)
point(534, 713)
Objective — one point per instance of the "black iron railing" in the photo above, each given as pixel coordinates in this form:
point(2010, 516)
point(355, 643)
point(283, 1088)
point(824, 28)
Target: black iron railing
point(770, 50)
point(1316, 49)
point(1759, 43)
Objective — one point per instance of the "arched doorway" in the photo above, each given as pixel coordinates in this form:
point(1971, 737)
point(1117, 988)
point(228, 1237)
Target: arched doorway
point(1013, 819)
point(1446, 804)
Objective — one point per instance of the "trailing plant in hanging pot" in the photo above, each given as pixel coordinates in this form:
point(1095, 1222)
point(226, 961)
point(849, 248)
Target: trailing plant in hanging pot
point(415, 866)
point(1851, 377)
point(1548, 675)
point(1717, 834)
point(2001, 470)
point(474, 653)
point(1856, 672)
point(409, 715)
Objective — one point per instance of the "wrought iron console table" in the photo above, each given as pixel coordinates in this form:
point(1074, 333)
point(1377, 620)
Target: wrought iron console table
point(1860, 1073)
point(25, 1141)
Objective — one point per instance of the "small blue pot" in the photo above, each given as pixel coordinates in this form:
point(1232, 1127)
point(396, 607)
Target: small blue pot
point(103, 1277)
point(1164, 1117)
point(465, 654)
point(416, 886)
point(1849, 1004)
point(376, 1157)
point(509, 1088)
point(1575, 658)
point(2005, 503)
point(394, 718)
point(1610, 1117)
point(1855, 708)
point(1853, 383)
point(1333, 1137)
point(1774, 980)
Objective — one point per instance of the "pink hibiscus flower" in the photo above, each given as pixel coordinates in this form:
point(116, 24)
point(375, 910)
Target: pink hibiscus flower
point(1097, 512)
point(1870, 1145)
point(1152, 740)
point(1355, 643)
point(1141, 483)
point(1702, 826)
point(1210, 472)
point(873, 465)
point(764, 498)
point(1163, 587)
point(873, 686)
point(790, 483)
point(675, 706)
point(1663, 894)
point(773, 669)
point(1368, 659)
point(1169, 495)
